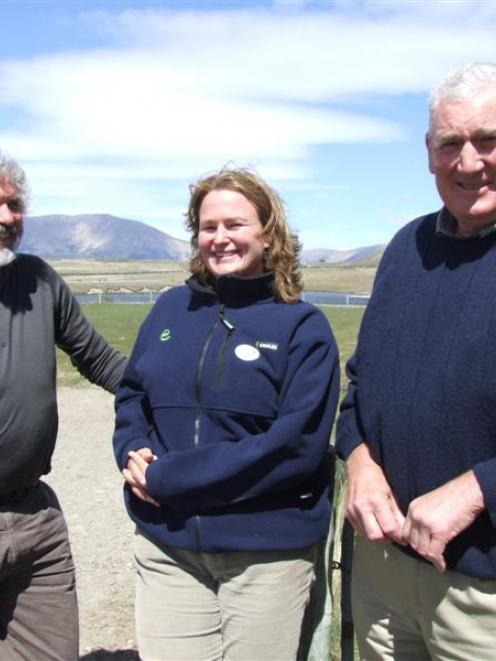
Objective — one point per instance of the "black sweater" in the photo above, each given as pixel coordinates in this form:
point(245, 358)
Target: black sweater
point(423, 378)
point(38, 312)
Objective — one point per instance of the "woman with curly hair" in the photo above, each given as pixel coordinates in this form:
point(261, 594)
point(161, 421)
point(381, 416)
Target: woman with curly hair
point(222, 433)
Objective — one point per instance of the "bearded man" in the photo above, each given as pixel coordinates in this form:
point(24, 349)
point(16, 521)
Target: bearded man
point(38, 602)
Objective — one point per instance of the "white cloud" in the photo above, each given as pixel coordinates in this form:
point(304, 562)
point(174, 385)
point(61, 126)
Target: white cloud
point(312, 55)
point(176, 93)
point(122, 105)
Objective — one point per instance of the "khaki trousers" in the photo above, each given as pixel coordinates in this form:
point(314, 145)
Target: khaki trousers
point(38, 603)
point(210, 606)
point(404, 609)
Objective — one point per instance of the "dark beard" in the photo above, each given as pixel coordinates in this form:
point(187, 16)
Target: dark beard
point(10, 236)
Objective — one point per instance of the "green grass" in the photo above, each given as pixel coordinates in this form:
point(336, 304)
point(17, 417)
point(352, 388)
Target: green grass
point(345, 323)
point(119, 324)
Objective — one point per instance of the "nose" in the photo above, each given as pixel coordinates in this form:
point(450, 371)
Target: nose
point(7, 216)
point(220, 234)
point(469, 159)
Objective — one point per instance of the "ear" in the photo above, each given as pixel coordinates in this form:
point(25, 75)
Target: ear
point(428, 144)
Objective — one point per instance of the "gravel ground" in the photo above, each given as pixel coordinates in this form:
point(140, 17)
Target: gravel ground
point(89, 487)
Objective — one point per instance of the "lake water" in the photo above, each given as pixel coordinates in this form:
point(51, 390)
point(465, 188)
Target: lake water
point(335, 298)
point(315, 297)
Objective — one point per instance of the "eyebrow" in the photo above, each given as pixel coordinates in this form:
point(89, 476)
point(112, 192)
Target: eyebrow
point(486, 132)
point(228, 220)
point(448, 136)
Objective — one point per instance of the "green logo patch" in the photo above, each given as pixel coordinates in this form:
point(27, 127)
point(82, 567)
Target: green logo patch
point(165, 335)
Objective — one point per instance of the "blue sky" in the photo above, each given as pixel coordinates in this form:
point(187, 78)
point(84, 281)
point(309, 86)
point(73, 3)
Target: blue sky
point(116, 107)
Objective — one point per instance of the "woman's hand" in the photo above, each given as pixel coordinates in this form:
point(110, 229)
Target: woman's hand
point(135, 474)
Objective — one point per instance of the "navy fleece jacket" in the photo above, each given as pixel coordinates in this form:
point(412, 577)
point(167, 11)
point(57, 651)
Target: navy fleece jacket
point(422, 391)
point(235, 393)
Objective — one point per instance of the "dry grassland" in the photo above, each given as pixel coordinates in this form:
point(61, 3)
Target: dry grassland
point(154, 275)
point(350, 279)
point(87, 275)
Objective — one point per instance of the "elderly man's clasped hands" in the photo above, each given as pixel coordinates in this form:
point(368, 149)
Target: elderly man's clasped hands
point(432, 520)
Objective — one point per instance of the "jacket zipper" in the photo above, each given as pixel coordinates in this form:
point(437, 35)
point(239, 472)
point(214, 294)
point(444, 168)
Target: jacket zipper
point(196, 434)
point(221, 361)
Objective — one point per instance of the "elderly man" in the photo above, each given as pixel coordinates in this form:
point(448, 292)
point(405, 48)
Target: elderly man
point(38, 603)
point(418, 425)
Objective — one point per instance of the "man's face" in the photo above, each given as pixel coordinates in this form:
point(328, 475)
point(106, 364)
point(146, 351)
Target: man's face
point(462, 156)
point(11, 217)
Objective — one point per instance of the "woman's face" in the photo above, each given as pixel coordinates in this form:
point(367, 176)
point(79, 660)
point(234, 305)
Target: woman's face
point(230, 235)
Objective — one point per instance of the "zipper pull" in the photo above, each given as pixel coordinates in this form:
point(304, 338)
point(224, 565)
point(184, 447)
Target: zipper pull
point(225, 322)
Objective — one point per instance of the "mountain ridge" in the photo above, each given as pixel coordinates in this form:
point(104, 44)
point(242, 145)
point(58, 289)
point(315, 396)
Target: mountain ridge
point(99, 236)
point(105, 236)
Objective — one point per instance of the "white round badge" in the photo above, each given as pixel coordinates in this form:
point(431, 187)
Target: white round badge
point(246, 352)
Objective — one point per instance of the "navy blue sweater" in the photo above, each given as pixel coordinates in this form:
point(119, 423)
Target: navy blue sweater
point(422, 391)
point(235, 393)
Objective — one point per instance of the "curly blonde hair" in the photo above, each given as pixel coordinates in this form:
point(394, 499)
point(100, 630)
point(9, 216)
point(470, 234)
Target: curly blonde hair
point(282, 253)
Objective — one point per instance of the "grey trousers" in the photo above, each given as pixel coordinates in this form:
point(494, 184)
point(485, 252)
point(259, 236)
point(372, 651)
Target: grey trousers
point(38, 602)
point(239, 606)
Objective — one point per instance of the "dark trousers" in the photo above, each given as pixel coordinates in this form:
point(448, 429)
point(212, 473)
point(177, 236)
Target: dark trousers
point(38, 601)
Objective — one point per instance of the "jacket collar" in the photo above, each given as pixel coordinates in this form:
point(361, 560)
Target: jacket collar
point(237, 292)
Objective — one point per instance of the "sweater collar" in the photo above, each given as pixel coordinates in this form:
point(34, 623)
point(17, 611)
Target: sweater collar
point(237, 292)
point(446, 225)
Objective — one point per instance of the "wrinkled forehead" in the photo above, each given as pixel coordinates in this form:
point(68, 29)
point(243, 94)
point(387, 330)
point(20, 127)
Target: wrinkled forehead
point(477, 111)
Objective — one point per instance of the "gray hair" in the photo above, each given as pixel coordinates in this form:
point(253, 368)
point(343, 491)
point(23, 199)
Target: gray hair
point(462, 83)
point(11, 170)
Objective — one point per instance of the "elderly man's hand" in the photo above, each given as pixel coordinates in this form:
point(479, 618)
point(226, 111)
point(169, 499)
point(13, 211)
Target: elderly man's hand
point(135, 474)
point(438, 516)
point(370, 504)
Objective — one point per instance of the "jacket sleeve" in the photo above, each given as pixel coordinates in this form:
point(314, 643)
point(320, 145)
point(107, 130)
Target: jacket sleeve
point(94, 358)
point(348, 428)
point(286, 455)
point(133, 420)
